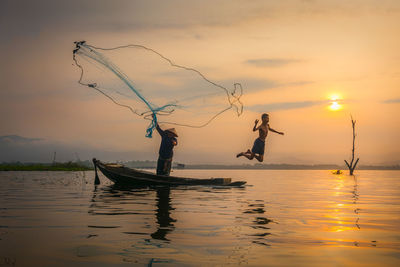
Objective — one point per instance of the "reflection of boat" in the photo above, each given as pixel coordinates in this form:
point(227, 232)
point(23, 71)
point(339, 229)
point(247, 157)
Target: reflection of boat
point(337, 172)
point(106, 201)
point(120, 174)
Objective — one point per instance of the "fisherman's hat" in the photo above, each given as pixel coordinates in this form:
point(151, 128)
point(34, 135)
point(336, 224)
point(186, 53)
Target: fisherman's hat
point(173, 131)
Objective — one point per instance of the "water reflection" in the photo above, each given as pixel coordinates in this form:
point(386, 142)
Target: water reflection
point(117, 200)
point(343, 205)
point(355, 199)
point(255, 211)
point(112, 200)
point(154, 205)
point(164, 220)
point(308, 218)
point(344, 219)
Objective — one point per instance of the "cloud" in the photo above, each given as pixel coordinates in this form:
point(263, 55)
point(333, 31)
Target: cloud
point(251, 85)
point(33, 17)
point(391, 101)
point(30, 18)
point(271, 62)
point(283, 106)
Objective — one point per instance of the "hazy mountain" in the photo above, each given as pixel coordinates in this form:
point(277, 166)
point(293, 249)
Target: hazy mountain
point(24, 149)
point(16, 139)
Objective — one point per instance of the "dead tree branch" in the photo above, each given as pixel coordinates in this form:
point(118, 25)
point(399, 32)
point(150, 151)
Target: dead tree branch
point(352, 165)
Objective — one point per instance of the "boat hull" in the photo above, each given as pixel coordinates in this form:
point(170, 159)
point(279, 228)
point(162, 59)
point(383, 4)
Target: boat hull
point(120, 174)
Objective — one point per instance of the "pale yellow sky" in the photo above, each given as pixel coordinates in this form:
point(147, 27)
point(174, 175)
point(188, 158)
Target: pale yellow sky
point(289, 56)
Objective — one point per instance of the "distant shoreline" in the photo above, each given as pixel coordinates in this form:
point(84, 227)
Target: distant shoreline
point(288, 167)
point(87, 165)
point(68, 166)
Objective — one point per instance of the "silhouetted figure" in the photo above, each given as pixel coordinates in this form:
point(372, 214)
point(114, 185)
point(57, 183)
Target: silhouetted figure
point(164, 220)
point(168, 141)
point(259, 144)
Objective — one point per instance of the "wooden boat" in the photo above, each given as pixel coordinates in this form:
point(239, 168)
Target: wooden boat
point(120, 174)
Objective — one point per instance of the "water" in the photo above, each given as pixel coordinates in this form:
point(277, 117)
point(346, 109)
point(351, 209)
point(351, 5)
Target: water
point(282, 218)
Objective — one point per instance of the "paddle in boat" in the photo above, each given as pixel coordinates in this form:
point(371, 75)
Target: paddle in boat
point(120, 174)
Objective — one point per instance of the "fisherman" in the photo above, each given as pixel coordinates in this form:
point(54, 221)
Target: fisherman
point(168, 141)
point(259, 144)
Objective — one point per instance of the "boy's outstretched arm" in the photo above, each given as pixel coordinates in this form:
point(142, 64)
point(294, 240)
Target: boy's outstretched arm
point(255, 128)
point(272, 130)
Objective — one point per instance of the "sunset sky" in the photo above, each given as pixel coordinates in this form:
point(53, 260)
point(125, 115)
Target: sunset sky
point(293, 59)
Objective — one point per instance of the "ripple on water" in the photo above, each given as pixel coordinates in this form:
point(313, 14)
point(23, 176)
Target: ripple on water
point(314, 213)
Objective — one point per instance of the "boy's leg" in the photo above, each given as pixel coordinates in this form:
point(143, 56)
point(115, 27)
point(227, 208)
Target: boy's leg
point(243, 153)
point(260, 158)
point(249, 156)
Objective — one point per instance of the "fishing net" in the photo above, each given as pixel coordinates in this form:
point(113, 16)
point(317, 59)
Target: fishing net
point(153, 87)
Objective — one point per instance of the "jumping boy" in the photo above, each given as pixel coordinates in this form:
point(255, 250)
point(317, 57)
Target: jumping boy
point(259, 144)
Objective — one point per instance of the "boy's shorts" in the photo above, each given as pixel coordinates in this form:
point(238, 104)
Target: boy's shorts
point(258, 147)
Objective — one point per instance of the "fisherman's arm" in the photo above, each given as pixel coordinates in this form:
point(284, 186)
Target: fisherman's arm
point(159, 130)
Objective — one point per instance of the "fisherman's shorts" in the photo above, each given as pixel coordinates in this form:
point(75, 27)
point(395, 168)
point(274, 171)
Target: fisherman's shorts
point(164, 166)
point(258, 147)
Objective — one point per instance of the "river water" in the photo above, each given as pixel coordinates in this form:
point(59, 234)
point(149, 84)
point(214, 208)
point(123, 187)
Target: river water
point(280, 218)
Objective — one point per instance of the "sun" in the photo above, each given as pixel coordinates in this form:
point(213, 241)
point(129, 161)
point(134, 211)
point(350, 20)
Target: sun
point(335, 106)
point(335, 102)
point(334, 97)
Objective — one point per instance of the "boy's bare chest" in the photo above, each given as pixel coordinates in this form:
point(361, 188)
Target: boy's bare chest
point(263, 130)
